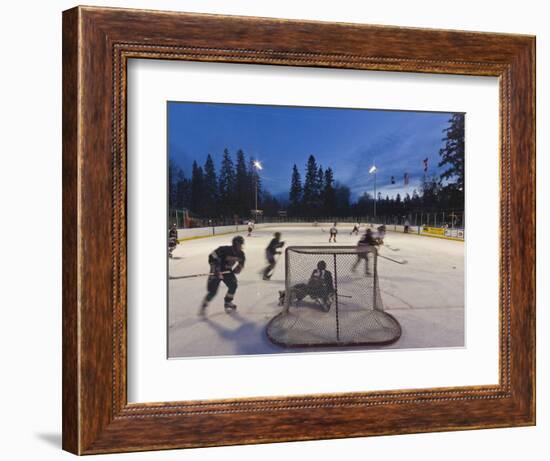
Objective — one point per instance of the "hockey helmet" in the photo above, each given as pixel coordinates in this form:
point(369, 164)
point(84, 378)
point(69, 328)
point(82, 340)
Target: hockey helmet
point(321, 265)
point(237, 240)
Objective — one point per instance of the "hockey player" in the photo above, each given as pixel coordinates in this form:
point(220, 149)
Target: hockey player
point(333, 231)
point(381, 234)
point(355, 229)
point(270, 253)
point(250, 227)
point(172, 239)
point(366, 244)
point(225, 262)
point(319, 287)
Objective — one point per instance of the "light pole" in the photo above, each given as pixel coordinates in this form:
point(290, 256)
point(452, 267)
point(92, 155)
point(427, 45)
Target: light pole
point(373, 171)
point(258, 167)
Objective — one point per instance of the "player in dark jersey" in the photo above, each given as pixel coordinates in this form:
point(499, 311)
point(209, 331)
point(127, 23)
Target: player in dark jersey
point(320, 287)
point(381, 234)
point(172, 239)
point(270, 253)
point(366, 243)
point(225, 262)
point(333, 231)
point(355, 229)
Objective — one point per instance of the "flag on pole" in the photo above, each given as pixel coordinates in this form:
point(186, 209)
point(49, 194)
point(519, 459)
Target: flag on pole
point(425, 164)
point(406, 179)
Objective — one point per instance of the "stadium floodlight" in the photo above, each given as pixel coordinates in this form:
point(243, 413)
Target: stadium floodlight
point(373, 170)
point(258, 167)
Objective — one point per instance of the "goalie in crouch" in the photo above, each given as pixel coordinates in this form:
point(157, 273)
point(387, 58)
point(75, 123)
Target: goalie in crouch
point(225, 262)
point(320, 288)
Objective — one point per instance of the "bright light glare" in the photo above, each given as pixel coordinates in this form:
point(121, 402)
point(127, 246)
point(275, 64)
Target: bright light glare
point(258, 165)
point(373, 169)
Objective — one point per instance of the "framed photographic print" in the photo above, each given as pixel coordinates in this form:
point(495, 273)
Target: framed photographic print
point(282, 230)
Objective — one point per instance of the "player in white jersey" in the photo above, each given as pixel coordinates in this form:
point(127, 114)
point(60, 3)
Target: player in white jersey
point(250, 227)
point(333, 231)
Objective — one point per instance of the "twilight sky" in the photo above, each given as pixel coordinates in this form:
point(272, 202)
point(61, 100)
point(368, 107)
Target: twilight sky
point(347, 140)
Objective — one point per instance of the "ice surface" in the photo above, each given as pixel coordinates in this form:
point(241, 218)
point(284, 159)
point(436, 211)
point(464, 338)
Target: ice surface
point(426, 295)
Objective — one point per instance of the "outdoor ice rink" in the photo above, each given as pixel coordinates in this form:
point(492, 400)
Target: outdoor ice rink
point(426, 295)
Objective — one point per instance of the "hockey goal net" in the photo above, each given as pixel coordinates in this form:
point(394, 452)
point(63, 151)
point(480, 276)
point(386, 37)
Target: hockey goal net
point(332, 298)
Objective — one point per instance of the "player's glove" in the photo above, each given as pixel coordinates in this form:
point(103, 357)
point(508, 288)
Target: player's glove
point(216, 272)
point(238, 269)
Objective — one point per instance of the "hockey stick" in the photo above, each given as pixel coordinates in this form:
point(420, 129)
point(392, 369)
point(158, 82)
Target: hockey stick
point(398, 261)
point(196, 275)
point(389, 247)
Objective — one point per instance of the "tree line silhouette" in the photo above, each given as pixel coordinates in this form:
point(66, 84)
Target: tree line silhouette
point(232, 191)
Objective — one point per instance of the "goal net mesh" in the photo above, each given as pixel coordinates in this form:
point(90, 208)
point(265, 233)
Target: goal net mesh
point(339, 305)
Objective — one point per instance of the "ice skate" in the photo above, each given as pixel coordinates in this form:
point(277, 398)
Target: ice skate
point(229, 307)
point(202, 310)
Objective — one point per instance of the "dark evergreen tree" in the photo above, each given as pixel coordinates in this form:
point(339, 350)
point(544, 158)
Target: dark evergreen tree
point(329, 194)
point(210, 188)
point(310, 196)
point(270, 205)
point(295, 194)
point(172, 183)
point(343, 195)
point(227, 185)
point(183, 192)
point(431, 191)
point(363, 206)
point(320, 185)
point(452, 155)
point(242, 185)
point(197, 189)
